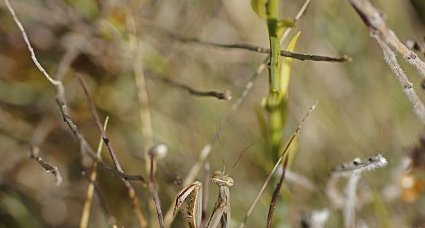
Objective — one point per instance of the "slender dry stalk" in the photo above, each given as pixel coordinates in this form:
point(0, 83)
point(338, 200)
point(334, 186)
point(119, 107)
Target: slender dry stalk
point(276, 194)
point(154, 192)
point(131, 191)
point(30, 49)
point(374, 20)
point(220, 95)
point(139, 77)
point(386, 38)
point(156, 152)
point(390, 59)
point(283, 153)
point(142, 95)
point(84, 220)
point(249, 47)
point(34, 154)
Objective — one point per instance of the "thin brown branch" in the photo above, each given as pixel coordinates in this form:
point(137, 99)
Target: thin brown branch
point(114, 157)
point(96, 118)
point(276, 193)
point(253, 48)
point(220, 95)
point(34, 154)
point(374, 20)
point(86, 148)
point(154, 191)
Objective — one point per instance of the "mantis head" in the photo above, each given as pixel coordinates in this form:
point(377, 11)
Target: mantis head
point(222, 179)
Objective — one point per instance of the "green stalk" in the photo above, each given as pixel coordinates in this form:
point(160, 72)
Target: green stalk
point(272, 26)
point(274, 99)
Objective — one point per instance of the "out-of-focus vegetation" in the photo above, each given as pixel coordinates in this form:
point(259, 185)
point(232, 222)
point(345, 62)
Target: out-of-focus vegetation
point(361, 112)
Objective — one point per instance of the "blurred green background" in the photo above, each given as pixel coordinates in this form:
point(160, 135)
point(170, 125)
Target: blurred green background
point(361, 112)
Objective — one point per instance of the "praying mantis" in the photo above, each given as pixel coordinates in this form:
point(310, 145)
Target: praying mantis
point(221, 211)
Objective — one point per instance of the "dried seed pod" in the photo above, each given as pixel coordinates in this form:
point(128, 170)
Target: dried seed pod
point(158, 151)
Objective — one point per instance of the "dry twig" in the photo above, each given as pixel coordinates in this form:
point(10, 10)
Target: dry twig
point(131, 191)
point(157, 151)
point(390, 59)
point(249, 47)
point(220, 95)
point(276, 194)
point(386, 38)
point(34, 154)
point(374, 20)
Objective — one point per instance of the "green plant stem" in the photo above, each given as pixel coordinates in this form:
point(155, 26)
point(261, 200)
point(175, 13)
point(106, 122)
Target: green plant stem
point(274, 99)
point(272, 26)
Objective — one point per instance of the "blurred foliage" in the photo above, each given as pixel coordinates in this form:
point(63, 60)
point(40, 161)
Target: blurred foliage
point(362, 110)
